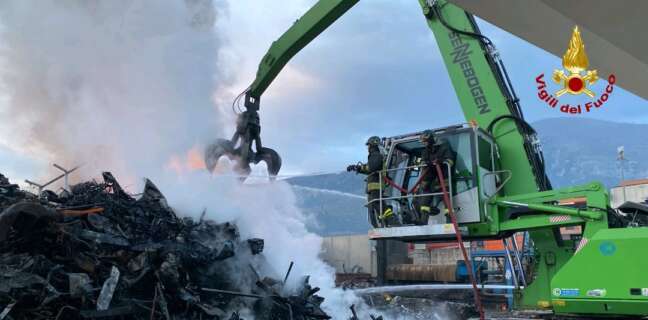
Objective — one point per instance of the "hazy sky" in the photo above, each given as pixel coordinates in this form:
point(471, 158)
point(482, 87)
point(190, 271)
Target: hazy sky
point(376, 71)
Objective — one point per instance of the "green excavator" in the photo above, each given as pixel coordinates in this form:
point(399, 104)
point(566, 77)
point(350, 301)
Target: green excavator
point(498, 185)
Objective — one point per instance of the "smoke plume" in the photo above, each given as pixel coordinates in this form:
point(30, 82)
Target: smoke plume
point(132, 87)
point(117, 85)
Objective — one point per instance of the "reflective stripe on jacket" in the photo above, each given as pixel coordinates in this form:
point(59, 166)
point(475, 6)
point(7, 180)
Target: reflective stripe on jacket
point(373, 186)
point(372, 168)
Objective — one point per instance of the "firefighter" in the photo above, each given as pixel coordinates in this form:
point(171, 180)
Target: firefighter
point(372, 168)
point(436, 151)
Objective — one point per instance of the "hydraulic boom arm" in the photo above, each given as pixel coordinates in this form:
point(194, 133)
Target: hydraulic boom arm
point(487, 100)
point(300, 34)
point(474, 67)
point(485, 94)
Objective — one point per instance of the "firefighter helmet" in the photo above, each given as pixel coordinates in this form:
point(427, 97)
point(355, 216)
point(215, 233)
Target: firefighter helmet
point(373, 141)
point(427, 137)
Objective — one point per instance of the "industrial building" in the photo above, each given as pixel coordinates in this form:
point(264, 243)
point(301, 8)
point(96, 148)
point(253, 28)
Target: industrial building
point(629, 190)
point(357, 253)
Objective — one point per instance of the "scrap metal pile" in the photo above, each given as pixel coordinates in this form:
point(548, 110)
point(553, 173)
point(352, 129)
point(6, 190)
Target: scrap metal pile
point(98, 252)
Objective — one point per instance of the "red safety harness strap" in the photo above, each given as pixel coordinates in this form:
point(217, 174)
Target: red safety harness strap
point(393, 184)
point(403, 190)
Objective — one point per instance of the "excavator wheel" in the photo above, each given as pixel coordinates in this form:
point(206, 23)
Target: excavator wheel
point(272, 160)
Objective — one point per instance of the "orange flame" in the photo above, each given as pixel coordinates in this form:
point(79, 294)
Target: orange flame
point(195, 159)
point(192, 160)
point(575, 59)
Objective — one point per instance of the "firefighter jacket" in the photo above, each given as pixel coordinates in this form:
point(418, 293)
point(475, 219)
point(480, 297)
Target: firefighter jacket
point(372, 168)
point(439, 152)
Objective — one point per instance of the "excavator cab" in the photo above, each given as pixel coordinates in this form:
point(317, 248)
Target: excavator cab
point(470, 181)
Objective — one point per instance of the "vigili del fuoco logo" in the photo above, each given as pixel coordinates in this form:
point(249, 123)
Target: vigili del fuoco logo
point(575, 80)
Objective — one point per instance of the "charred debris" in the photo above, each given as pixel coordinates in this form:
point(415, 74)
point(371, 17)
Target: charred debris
point(96, 252)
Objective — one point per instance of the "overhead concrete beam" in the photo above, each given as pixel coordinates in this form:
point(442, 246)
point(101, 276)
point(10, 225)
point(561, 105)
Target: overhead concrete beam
point(613, 31)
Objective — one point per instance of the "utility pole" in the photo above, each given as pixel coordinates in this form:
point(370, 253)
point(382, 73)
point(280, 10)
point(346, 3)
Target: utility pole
point(621, 158)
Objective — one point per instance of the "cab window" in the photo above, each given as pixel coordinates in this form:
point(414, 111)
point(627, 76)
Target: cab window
point(463, 169)
point(485, 154)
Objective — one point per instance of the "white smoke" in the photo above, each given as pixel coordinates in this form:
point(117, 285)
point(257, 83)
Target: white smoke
point(128, 85)
point(269, 211)
point(108, 83)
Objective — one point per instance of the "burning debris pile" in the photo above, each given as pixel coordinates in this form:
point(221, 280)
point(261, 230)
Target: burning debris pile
point(98, 252)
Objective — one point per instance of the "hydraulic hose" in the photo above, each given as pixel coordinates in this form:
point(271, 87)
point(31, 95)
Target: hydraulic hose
point(528, 129)
point(534, 155)
point(453, 218)
point(482, 37)
point(536, 158)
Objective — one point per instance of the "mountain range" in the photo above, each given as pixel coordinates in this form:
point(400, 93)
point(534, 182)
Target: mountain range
point(576, 151)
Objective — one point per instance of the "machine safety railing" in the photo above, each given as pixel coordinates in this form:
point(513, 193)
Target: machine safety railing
point(497, 189)
point(383, 176)
point(518, 259)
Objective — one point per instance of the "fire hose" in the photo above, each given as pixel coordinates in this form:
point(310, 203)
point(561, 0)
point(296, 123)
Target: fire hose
point(446, 200)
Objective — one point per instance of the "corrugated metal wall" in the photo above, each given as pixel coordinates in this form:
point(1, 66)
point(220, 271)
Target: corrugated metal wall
point(349, 252)
point(635, 193)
